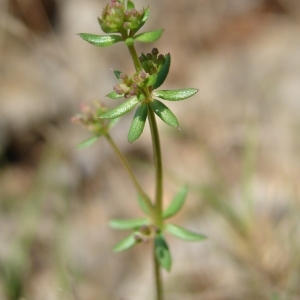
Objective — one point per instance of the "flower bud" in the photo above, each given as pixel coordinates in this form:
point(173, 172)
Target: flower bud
point(113, 16)
point(154, 52)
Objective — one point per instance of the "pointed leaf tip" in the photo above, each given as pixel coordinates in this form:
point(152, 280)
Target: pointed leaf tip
point(176, 204)
point(163, 73)
point(100, 40)
point(175, 95)
point(184, 234)
point(87, 142)
point(150, 36)
point(164, 113)
point(138, 123)
point(126, 224)
point(162, 252)
point(121, 109)
point(126, 243)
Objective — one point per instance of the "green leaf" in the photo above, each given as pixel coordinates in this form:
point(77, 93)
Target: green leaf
point(176, 204)
point(121, 109)
point(164, 113)
point(138, 123)
point(163, 73)
point(130, 4)
point(127, 224)
point(142, 204)
point(126, 243)
point(101, 40)
point(88, 142)
point(143, 21)
point(117, 74)
point(184, 234)
point(114, 95)
point(150, 81)
point(162, 252)
point(175, 95)
point(150, 36)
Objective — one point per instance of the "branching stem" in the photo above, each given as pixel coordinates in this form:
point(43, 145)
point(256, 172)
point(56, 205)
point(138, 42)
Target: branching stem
point(132, 176)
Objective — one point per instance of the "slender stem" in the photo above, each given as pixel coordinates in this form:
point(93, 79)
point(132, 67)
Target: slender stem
point(135, 182)
point(158, 195)
point(158, 279)
point(157, 218)
point(132, 52)
point(135, 58)
point(158, 165)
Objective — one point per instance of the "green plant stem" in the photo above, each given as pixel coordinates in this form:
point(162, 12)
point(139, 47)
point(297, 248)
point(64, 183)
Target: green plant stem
point(135, 182)
point(135, 58)
point(158, 165)
point(158, 195)
point(132, 52)
point(157, 219)
point(158, 279)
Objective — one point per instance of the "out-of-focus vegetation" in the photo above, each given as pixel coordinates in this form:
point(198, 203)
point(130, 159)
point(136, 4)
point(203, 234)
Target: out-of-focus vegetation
point(238, 151)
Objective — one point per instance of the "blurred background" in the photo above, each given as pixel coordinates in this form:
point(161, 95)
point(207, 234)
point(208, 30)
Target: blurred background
point(238, 151)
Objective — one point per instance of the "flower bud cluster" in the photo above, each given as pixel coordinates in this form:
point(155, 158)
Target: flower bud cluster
point(130, 86)
point(132, 18)
point(89, 118)
point(116, 18)
point(152, 62)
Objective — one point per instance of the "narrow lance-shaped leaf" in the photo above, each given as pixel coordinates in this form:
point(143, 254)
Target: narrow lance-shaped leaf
point(149, 37)
point(138, 123)
point(142, 204)
point(163, 73)
point(162, 252)
point(143, 21)
point(164, 113)
point(151, 80)
point(117, 74)
point(88, 142)
point(113, 95)
point(121, 109)
point(175, 95)
point(176, 204)
point(184, 234)
point(101, 40)
point(130, 4)
point(126, 224)
point(126, 243)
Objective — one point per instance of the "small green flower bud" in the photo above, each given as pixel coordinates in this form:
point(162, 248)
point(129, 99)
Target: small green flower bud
point(161, 58)
point(154, 52)
point(113, 15)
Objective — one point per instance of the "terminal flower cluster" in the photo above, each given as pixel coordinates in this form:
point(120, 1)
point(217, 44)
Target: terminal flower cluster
point(115, 17)
point(89, 118)
point(152, 62)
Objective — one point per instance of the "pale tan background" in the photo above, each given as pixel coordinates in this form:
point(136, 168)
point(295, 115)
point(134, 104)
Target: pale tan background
point(238, 151)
